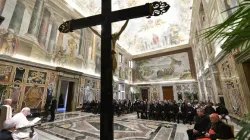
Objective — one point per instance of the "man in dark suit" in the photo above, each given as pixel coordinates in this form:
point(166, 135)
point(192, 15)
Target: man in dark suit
point(218, 129)
point(209, 109)
point(9, 126)
point(200, 127)
point(53, 109)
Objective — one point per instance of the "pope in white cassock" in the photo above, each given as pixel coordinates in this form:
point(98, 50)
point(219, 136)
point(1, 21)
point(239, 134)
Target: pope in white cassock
point(22, 121)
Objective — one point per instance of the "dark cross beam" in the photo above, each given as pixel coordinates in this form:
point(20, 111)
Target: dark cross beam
point(106, 19)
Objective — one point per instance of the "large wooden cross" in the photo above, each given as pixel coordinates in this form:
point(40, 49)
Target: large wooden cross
point(106, 19)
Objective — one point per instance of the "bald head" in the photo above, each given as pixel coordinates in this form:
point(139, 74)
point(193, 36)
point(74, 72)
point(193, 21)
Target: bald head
point(8, 102)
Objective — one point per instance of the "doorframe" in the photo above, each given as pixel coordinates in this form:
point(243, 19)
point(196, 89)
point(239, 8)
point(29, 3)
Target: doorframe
point(162, 96)
point(144, 88)
point(75, 93)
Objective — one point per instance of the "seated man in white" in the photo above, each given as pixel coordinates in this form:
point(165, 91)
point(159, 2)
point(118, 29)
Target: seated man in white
point(22, 121)
point(6, 112)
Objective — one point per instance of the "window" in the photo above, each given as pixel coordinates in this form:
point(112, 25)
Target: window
point(130, 64)
point(120, 58)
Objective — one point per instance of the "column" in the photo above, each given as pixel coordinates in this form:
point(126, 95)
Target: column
point(36, 18)
point(44, 28)
point(2, 4)
point(17, 17)
point(52, 39)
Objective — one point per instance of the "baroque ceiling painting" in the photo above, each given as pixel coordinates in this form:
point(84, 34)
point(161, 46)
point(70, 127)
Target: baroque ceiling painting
point(144, 35)
point(170, 67)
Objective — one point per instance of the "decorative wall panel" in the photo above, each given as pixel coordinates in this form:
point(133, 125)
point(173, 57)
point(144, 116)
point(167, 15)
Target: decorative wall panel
point(33, 97)
point(5, 72)
point(36, 77)
point(231, 86)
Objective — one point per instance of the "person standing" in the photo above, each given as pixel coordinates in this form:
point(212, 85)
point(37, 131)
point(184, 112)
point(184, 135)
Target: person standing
point(53, 109)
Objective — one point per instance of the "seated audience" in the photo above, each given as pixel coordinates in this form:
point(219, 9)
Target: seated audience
point(223, 113)
point(21, 122)
point(9, 127)
point(218, 129)
point(209, 109)
point(201, 125)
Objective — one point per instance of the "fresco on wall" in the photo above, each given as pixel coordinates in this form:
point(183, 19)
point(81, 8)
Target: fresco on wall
point(170, 67)
point(8, 42)
point(33, 96)
point(5, 72)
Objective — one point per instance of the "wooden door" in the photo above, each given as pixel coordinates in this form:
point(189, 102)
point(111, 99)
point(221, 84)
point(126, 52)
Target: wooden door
point(70, 97)
point(144, 94)
point(168, 93)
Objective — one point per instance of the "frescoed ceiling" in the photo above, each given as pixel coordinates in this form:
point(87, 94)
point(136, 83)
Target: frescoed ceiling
point(143, 35)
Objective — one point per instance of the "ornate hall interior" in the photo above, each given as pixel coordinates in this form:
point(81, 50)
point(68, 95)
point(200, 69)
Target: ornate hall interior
point(163, 59)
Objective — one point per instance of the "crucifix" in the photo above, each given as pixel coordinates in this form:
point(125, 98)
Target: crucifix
point(105, 19)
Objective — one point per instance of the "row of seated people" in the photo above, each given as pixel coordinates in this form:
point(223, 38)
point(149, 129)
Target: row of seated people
point(120, 107)
point(210, 127)
point(171, 111)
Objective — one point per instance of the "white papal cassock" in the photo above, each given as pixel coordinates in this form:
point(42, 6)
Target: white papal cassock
point(22, 121)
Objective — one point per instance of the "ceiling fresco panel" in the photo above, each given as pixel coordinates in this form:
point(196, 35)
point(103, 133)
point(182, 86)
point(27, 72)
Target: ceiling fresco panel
point(142, 34)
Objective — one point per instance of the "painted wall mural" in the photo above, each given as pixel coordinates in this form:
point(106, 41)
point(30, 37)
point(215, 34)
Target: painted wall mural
point(9, 42)
point(170, 67)
point(142, 34)
point(5, 72)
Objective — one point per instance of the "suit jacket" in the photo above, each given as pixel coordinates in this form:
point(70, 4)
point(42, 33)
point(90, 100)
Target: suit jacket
point(53, 105)
point(222, 130)
point(202, 124)
point(5, 135)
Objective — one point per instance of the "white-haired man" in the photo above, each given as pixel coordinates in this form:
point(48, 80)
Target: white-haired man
point(9, 127)
point(22, 121)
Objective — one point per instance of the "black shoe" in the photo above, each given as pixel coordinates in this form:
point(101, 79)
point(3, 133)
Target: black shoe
point(51, 121)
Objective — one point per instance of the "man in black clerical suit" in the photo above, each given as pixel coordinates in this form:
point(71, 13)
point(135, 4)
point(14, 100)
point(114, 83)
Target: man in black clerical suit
point(190, 114)
point(218, 129)
point(209, 109)
point(53, 109)
point(200, 127)
point(9, 126)
point(222, 112)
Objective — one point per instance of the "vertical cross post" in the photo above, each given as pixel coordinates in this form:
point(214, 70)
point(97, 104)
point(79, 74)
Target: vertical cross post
point(106, 119)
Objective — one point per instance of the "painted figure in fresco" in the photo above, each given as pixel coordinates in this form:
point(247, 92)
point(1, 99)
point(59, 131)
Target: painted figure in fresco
point(170, 70)
point(115, 37)
point(60, 57)
point(8, 42)
point(33, 97)
point(72, 47)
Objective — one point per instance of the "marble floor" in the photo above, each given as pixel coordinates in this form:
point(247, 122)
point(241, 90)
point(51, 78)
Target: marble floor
point(85, 126)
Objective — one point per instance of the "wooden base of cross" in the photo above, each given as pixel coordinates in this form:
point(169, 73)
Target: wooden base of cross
point(106, 19)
